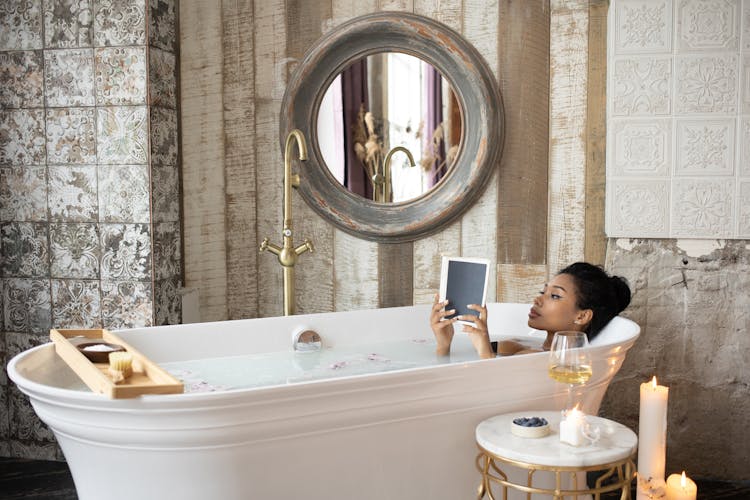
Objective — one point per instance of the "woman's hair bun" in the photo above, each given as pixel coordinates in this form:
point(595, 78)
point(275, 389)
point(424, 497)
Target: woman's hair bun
point(606, 296)
point(621, 291)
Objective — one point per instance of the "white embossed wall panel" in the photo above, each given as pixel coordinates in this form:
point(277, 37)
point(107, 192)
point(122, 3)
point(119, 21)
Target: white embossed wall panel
point(744, 215)
point(678, 119)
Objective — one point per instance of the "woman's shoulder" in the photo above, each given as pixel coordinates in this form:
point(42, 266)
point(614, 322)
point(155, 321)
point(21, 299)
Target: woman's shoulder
point(509, 347)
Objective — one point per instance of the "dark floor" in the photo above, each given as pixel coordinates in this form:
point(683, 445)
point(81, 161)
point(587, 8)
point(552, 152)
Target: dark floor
point(21, 478)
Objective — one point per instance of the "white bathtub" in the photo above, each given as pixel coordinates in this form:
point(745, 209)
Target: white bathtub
point(403, 434)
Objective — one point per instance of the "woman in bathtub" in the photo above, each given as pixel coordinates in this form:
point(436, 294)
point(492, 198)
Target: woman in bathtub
point(581, 297)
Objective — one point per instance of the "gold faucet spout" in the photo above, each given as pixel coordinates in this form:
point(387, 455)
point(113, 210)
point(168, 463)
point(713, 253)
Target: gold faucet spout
point(387, 195)
point(295, 136)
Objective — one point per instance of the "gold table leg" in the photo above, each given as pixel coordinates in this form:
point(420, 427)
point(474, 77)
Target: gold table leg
point(491, 472)
point(483, 469)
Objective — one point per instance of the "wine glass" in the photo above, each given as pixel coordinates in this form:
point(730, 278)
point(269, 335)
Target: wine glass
point(570, 361)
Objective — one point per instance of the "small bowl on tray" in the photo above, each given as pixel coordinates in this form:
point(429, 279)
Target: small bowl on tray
point(98, 351)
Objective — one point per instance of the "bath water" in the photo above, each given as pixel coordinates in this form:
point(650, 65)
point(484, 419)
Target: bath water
point(288, 367)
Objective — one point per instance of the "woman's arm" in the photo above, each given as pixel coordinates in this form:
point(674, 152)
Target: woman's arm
point(478, 333)
point(442, 328)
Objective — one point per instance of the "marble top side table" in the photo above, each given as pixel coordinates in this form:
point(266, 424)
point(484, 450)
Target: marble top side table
point(499, 448)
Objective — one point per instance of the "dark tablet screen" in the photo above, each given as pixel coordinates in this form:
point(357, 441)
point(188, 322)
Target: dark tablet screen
point(465, 285)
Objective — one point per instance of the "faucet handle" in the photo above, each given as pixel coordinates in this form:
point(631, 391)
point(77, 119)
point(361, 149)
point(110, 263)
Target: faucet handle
point(265, 245)
point(307, 246)
point(294, 180)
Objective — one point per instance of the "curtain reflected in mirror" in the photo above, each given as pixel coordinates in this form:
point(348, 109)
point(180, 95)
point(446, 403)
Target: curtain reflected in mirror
point(389, 127)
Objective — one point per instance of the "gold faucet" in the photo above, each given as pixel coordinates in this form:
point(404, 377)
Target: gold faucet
point(287, 253)
point(387, 195)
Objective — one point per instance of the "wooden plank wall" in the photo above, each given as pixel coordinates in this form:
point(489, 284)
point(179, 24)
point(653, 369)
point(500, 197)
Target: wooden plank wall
point(481, 20)
point(567, 175)
point(269, 32)
point(204, 190)
point(239, 157)
point(522, 199)
point(530, 220)
point(595, 249)
point(314, 273)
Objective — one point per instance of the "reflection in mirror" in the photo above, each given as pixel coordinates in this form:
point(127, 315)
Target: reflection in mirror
point(389, 127)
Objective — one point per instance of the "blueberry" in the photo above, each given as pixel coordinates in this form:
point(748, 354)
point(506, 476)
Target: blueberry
point(530, 421)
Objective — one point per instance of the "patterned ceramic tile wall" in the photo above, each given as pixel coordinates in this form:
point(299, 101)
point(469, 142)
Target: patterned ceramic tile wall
point(164, 152)
point(678, 107)
point(89, 203)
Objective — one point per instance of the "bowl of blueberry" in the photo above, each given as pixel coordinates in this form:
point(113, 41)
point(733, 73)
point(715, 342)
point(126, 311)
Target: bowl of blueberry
point(529, 427)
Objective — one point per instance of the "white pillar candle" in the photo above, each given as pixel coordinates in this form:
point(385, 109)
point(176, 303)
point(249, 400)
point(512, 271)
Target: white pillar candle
point(652, 439)
point(681, 487)
point(571, 427)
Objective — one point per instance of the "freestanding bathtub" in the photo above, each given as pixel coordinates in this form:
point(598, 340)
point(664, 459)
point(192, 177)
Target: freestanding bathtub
point(326, 431)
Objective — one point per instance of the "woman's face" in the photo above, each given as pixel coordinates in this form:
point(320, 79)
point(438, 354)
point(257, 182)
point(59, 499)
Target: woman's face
point(555, 309)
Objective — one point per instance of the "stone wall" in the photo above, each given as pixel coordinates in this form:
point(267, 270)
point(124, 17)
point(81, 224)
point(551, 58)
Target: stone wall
point(692, 301)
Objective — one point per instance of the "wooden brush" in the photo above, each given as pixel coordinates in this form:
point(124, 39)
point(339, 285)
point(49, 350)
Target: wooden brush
point(120, 366)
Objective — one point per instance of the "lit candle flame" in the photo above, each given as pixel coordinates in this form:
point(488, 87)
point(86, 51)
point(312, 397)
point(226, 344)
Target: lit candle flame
point(653, 382)
point(683, 482)
point(573, 414)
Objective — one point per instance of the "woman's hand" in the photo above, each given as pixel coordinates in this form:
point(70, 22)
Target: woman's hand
point(442, 327)
point(478, 333)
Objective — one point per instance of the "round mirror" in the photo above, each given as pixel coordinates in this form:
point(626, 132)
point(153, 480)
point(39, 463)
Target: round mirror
point(389, 127)
point(475, 122)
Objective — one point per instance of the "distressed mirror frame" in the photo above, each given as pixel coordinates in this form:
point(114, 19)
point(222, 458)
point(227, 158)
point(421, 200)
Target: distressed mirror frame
point(482, 133)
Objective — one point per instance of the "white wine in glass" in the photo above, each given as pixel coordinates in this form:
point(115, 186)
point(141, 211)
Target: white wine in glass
point(570, 375)
point(569, 360)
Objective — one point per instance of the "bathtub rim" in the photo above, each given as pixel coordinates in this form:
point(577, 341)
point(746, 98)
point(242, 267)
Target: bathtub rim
point(73, 397)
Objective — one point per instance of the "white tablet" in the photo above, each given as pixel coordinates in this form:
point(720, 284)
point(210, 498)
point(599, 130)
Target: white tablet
point(463, 281)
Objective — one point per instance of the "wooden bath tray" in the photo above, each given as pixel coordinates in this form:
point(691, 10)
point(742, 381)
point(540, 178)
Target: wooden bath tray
point(147, 378)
